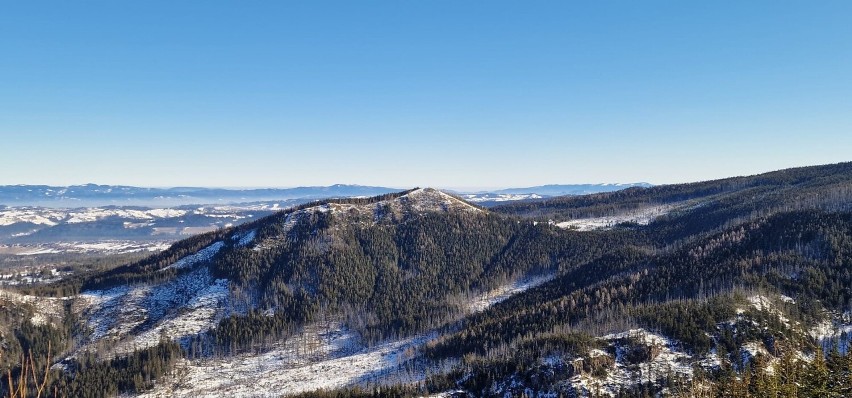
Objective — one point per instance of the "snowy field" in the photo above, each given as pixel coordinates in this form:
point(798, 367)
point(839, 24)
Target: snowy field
point(642, 217)
point(507, 197)
point(99, 247)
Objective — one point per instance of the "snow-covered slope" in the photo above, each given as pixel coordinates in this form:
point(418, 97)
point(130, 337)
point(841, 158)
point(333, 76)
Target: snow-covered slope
point(136, 316)
point(325, 355)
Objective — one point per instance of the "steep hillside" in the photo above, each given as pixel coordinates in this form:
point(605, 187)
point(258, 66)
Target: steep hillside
point(722, 286)
point(701, 206)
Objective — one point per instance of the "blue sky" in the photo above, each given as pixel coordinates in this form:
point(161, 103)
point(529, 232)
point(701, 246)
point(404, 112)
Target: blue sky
point(428, 93)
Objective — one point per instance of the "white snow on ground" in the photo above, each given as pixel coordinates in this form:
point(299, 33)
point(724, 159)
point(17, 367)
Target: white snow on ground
point(414, 203)
point(106, 246)
point(246, 238)
point(114, 246)
point(323, 355)
point(764, 303)
point(51, 217)
point(38, 216)
point(506, 197)
point(495, 296)
point(133, 315)
point(670, 360)
point(447, 394)
point(202, 255)
point(822, 330)
point(836, 329)
point(289, 222)
point(711, 360)
point(197, 315)
point(292, 369)
point(38, 250)
point(752, 349)
point(429, 199)
point(642, 217)
point(45, 309)
point(97, 213)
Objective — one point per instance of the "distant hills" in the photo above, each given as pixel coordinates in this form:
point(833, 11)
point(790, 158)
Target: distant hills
point(94, 195)
point(90, 195)
point(490, 198)
point(571, 189)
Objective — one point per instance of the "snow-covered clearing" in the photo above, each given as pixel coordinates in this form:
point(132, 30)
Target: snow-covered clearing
point(412, 204)
point(321, 357)
point(505, 197)
point(95, 213)
point(751, 350)
point(36, 216)
point(642, 216)
point(324, 355)
point(245, 238)
point(483, 301)
point(202, 255)
point(134, 316)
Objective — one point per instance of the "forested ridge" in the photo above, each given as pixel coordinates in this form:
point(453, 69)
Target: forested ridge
point(402, 264)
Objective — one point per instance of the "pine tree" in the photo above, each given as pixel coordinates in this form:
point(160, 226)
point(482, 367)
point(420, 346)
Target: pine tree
point(787, 372)
point(815, 379)
point(837, 375)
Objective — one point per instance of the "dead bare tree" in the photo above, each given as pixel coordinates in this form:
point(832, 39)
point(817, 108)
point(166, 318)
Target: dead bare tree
point(20, 388)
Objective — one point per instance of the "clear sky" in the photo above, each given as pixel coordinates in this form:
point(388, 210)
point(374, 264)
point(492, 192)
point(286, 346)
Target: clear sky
point(428, 93)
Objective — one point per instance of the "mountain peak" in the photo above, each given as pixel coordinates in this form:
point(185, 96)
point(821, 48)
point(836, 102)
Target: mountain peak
point(380, 209)
point(431, 199)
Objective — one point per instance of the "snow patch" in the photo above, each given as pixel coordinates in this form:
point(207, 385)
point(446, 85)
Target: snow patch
point(201, 256)
point(495, 296)
point(831, 332)
point(642, 216)
point(246, 238)
point(670, 359)
point(45, 309)
point(764, 303)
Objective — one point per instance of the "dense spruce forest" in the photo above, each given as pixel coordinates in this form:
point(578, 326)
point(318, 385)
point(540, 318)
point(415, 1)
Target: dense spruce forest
point(735, 275)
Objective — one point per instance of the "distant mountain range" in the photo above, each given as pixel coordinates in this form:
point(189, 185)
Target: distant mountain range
point(119, 195)
point(489, 198)
point(93, 195)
